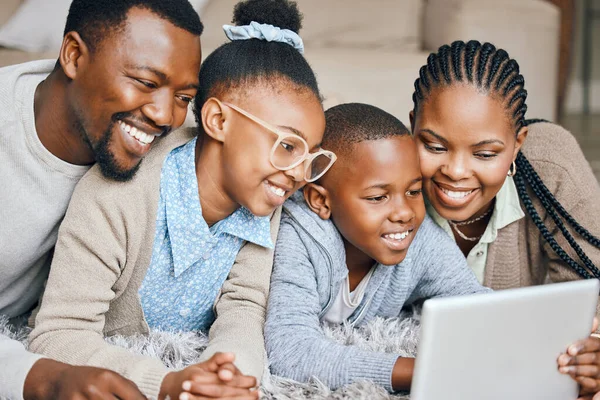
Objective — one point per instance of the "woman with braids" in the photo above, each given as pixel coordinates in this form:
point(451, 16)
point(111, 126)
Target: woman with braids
point(517, 195)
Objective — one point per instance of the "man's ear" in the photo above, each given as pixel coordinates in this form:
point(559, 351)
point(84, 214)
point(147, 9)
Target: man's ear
point(317, 198)
point(411, 117)
point(74, 53)
point(521, 136)
point(214, 117)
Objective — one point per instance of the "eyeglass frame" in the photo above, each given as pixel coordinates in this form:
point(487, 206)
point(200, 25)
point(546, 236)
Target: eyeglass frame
point(306, 158)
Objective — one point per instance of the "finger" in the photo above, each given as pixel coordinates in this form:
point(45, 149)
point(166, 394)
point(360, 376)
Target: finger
point(582, 359)
point(587, 345)
point(243, 381)
point(595, 325)
point(591, 371)
point(587, 385)
point(227, 371)
point(192, 397)
point(222, 358)
point(240, 381)
point(213, 390)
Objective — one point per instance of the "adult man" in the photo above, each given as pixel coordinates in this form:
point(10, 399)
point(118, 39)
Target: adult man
point(126, 71)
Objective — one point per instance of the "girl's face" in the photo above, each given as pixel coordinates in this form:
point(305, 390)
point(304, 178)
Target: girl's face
point(466, 143)
point(249, 177)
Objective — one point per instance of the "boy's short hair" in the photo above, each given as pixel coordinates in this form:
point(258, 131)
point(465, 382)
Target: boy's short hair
point(351, 123)
point(95, 20)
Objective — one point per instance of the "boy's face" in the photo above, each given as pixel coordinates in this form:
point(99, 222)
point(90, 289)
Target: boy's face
point(375, 198)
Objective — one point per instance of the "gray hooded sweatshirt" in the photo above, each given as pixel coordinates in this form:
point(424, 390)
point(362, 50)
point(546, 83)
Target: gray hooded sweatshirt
point(308, 271)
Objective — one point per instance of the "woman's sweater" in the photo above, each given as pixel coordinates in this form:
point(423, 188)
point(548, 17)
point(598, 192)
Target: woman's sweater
point(520, 256)
point(101, 258)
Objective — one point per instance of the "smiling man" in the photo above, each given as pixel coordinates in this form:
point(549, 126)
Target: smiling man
point(126, 71)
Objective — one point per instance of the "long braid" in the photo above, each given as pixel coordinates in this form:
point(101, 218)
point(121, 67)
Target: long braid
point(493, 71)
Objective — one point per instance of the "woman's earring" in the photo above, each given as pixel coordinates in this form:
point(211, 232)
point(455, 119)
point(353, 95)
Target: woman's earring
point(512, 170)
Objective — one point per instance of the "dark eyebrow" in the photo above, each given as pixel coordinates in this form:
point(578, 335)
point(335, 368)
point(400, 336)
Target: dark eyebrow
point(432, 133)
point(161, 75)
point(386, 185)
point(378, 186)
point(490, 141)
point(293, 130)
point(297, 132)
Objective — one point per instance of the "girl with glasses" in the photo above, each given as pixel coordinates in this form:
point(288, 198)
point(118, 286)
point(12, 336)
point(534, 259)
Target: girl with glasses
point(187, 244)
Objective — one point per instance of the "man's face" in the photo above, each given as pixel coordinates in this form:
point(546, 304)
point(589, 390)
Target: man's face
point(134, 87)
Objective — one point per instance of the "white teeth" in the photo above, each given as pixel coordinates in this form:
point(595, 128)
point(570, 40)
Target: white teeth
point(397, 236)
point(136, 133)
point(145, 138)
point(456, 195)
point(278, 191)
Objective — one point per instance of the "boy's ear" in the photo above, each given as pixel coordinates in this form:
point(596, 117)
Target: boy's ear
point(213, 119)
point(317, 198)
point(73, 54)
point(411, 117)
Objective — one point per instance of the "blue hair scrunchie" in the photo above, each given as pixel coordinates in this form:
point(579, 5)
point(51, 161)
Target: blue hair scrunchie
point(266, 32)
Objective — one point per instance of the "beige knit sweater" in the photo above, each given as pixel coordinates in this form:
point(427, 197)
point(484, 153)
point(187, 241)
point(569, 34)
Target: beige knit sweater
point(520, 256)
point(102, 254)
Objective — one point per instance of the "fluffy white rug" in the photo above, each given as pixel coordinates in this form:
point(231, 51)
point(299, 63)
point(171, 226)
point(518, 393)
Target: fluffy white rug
point(178, 350)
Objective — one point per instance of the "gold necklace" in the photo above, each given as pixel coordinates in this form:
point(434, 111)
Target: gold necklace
point(455, 226)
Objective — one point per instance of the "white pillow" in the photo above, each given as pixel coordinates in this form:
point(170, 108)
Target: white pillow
point(38, 25)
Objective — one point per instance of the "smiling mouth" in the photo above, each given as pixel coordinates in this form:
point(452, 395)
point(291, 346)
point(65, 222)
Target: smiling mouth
point(138, 134)
point(276, 189)
point(456, 194)
point(398, 236)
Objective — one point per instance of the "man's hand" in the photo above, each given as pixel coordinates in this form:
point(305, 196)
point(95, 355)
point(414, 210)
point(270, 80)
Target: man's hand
point(216, 377)
point(582, 363)
point(49, 380)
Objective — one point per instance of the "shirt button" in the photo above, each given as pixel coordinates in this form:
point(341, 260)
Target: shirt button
point(206, 255)
point(479, 253)
point(184, 312)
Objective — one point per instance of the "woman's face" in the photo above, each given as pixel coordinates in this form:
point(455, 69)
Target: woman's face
point(466, 143)
point(249, 177)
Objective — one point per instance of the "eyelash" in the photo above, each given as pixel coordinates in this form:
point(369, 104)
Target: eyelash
point(433, 149)
point(148, 84)
point(152, 85)
point(376, 199)
point(486, 156)
point(409, 193)
point(438, 150)
point(414, 193)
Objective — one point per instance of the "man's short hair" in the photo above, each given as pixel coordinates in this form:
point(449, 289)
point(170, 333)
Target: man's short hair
point(95, 20)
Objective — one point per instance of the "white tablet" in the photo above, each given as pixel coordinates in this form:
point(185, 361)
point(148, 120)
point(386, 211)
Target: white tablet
point(502, 345)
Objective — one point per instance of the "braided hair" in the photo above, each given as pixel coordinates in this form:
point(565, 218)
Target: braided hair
point(492, 71)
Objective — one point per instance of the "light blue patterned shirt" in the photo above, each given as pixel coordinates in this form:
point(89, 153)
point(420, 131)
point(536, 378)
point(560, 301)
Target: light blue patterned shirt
point(190, 261)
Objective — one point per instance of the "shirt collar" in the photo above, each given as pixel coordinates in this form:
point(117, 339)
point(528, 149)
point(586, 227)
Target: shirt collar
point(189, 234)
point(247, 226)
point(507, 209)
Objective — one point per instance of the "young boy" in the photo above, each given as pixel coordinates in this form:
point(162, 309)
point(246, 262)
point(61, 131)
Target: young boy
point(359, 245)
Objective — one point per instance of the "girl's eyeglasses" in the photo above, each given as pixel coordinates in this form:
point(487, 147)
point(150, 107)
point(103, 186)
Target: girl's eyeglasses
point(289, 150)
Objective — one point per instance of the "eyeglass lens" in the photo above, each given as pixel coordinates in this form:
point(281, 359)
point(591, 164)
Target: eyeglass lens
point(318, 166)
